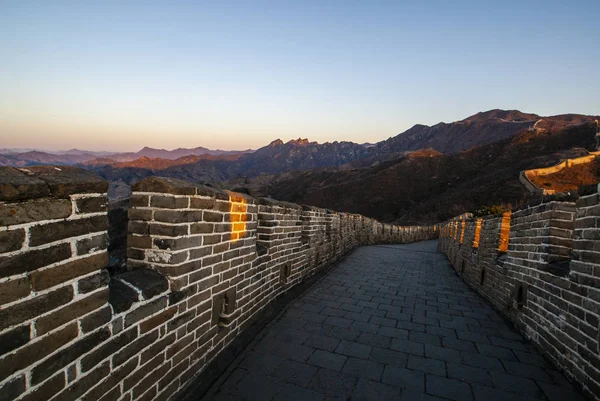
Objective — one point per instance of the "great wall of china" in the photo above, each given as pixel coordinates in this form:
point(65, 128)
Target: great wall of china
point(203, 265)
point(540, 267)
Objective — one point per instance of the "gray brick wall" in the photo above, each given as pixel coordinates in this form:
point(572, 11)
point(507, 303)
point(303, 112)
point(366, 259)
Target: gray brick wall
point(547, 283)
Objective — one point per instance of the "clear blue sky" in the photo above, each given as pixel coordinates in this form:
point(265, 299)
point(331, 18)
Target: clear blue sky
point(119, 75)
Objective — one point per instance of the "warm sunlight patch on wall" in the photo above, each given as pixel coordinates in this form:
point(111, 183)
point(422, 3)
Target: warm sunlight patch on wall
point(462, 231)
point(455, 230)
point(477, 233)
point(238, 216)
point(504, 232)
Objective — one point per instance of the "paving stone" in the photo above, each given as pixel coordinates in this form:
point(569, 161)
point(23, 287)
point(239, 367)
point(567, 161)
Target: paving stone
point(291, 392)
point(485, 393)
point(531, 358)
point(369, 390)
point(344, 334)
point(337, 342)
point(382, 321)
point(255, 387)
point(393, 332)
point(469, 374)
point(365, 327)
point(444, 354)
point(353, 349)
point(338, 321)
point(333, 383)
point(498, 352)
point(388, 357)
point(461, 345)
point(408, 395)
point(333, 312)
point(295, 372)
point(405, 378)
point(322, 342)
point(516, 384)
point(410, 347)
point(560, 393)
point(415, 327)
point(425, 338)
point(526, 370)
point(362, 368)
point(448, 388)
point(426, 365)
point(374, 340)
point(359, 317)
point(327, 360)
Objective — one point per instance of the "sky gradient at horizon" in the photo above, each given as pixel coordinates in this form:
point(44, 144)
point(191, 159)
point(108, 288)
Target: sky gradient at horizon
point(111, 75)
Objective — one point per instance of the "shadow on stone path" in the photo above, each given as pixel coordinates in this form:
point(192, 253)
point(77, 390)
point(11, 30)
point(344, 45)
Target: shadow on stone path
point(391, 322)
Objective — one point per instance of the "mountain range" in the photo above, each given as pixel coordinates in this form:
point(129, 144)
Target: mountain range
point(309, 172)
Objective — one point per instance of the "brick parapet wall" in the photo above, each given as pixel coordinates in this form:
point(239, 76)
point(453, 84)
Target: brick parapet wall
point(279, 246)
point(547, 283)
point(202, 264)
point(53, 289)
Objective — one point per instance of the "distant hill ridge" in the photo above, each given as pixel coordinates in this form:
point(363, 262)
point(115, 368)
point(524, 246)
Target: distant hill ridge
point(477, 130)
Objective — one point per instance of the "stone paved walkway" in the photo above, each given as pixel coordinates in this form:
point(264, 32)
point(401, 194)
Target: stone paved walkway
point(391, 322)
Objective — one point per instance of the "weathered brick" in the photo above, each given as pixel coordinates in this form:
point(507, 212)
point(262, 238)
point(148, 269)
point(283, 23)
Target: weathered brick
point(211, 260)
point(202, 203)
point(11, 240)
point(34, 210)
point(145, 310)
point(179, 366)
point(81, 386)
point(37, 350)
point(139, 241)
point(148, 382)
point(71, 312)
point(155, 321)
point(167, 230)
point(14, 339)
point(12, 389)
point(201, 228)
point(33, 259)
point(212, 239)
point(65, 356)
point(91, 245)
point(178, 216)
point(180, 320)
point(176, 244)
point(95, 204)
point(139, 214)
point(156, 348)
point(145, 368)
point(212, 217)
point(198, 253)
point(14, 289)
point(42, 279)
point(94, 320)
point(109, 348)
point(45, 233)
point(93, 282)
point(139, 200)
point(138, 227)
point(168, 202)
point(209, 282)
point(134, 348)
point(31, 308)
point(116, 377)
point(196, 299)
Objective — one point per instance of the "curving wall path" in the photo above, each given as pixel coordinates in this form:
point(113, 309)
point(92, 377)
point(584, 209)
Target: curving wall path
point(202, 265)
